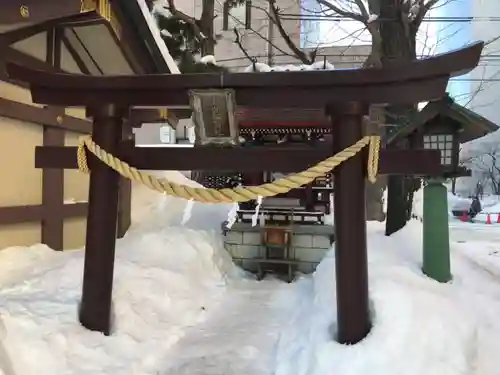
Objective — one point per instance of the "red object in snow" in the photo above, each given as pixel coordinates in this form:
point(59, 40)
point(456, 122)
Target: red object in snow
point(464, 217)
point(488, 219)
point(498, 218)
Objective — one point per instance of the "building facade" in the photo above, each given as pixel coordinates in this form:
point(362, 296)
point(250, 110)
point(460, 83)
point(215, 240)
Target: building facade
point(310, 28)
point(484, 80)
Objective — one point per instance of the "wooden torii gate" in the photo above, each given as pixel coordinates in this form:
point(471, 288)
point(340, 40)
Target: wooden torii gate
point(345, 95)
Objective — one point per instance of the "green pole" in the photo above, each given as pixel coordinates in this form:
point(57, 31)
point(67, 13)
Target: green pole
point(436, 236)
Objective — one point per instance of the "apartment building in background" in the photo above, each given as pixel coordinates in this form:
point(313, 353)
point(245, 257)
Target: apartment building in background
point(485, 80)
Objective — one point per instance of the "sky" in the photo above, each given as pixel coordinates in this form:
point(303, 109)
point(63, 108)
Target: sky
point(453, 35)
point(435, 36)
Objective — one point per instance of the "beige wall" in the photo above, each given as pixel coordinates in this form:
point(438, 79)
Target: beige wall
point(22, 182)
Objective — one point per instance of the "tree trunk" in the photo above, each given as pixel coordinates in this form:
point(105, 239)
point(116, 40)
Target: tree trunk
point(398, 46)
point(207, 27)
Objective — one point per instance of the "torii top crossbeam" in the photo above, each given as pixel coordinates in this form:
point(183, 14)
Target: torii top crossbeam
point(411, 82)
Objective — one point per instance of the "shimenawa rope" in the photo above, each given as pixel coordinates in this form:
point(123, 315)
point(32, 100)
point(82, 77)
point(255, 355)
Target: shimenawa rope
point(238, 194)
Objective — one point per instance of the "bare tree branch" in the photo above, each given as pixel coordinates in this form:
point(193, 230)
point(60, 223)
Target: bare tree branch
point(423, 9)
point(237, 40)
point(257, 33)
point(345, 13)
point(275, 18)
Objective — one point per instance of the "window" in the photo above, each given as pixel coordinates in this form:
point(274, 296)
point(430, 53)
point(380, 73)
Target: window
point(442, 142)
point(237, 16)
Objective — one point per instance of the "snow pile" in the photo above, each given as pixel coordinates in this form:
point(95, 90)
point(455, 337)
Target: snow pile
point(166, 279)
point(420, 326)
point(418, 204)
point(491, 205)
point(164, 282)
point(181, 307)
point(488, 201)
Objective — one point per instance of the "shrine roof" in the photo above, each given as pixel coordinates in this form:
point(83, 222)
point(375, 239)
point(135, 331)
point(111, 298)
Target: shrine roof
point(108, 38)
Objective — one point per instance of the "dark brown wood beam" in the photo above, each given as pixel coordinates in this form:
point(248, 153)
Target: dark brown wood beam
point(38, 11)
point(53, 194)
point(18, 57)
point(54, 20)
point(100, 238)
point(33, 213)
point(404, 162)
point(435, 67)
point(43, 116)
point(419, 80)
point(5, 78)
point(132, 48)
point(124, 194)
point(259, 97)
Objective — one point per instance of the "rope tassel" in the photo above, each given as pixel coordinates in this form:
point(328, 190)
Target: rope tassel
point(238, 194)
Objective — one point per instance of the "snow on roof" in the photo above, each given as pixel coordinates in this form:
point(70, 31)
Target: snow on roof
point(264, 68)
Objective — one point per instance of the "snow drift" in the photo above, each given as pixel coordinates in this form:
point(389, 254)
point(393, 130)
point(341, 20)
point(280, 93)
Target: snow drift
point(182, 307)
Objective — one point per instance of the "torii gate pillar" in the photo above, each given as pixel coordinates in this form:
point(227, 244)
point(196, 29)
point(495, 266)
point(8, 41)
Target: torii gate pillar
point(96, 304)
point(351, 270)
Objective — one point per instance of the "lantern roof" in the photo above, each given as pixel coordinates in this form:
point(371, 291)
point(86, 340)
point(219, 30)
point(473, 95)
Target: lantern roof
point(473, 125)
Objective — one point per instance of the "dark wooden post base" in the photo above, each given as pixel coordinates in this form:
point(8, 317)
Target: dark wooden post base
point(95, 306)
point(353, 318)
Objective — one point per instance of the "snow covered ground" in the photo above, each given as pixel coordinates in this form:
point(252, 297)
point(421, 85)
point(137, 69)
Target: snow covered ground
point(181, 307)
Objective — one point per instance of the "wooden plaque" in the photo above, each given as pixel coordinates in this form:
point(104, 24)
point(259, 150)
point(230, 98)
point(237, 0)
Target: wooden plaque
point(214, 116)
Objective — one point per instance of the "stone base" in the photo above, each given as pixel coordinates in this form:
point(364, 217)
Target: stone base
point(309, 245)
